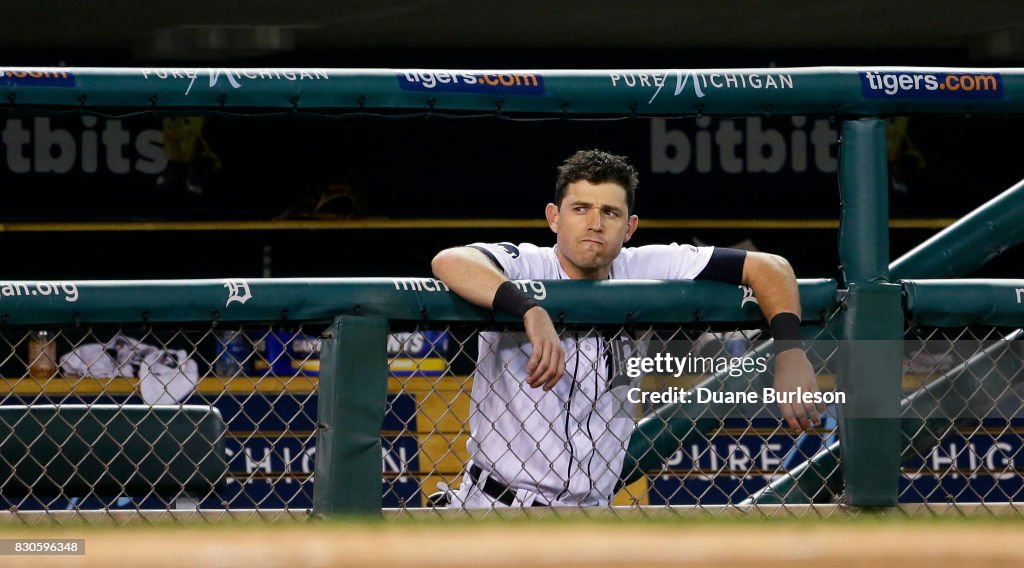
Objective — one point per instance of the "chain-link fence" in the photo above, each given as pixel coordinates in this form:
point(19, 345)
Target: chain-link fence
point(467, 431)
point(962, 417)
point(134, 402)
point(963, 413)
point(124, 420)
point(445, 402)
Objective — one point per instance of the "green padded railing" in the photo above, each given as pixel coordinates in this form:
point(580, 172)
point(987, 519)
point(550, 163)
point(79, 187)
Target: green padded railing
point(813, 90)
point(961, 302)
point(402, 299)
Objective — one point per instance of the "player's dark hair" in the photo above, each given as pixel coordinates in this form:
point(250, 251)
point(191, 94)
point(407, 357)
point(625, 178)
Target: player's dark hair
point(596, 166)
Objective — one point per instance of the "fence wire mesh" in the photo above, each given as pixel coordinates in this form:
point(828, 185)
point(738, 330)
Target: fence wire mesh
point(135, 388)
point(963, 415)
point(455, 420)
point(465, 430)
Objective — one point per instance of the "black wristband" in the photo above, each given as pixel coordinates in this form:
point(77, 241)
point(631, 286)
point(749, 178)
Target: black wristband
point(785, 329)
point(512, 300)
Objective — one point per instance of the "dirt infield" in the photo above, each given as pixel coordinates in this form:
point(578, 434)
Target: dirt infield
point(765, 543)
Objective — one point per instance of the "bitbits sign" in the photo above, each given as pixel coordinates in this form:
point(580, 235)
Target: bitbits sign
point(743, 146)
point(36, 145)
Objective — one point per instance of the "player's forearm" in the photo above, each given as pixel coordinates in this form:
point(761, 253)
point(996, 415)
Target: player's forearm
point(773, 282)
point(469, 273)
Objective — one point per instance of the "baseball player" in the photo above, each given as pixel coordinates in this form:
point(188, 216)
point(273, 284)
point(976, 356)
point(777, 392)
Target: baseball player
point(549, 415)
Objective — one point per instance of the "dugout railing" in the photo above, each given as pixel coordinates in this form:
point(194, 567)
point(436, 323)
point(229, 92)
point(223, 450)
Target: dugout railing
point(375, 402)
point(869, 326)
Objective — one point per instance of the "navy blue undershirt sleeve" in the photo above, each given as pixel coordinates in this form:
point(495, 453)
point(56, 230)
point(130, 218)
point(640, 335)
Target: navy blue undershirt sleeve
point(725, 265)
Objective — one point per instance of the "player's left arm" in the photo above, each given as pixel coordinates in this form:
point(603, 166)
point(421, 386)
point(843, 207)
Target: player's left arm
point(774, 284)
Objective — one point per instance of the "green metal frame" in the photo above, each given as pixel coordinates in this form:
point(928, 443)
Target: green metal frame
point(969, 243)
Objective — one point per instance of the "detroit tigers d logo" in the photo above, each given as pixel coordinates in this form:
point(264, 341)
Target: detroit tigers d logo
point(238, 291)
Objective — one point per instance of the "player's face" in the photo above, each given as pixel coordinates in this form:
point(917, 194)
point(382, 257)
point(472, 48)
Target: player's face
point(592, 224)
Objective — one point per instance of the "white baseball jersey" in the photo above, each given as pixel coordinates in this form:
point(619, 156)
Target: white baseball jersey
point(565, 446)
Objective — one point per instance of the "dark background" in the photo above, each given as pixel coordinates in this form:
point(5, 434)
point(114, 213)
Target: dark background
point(466, 168)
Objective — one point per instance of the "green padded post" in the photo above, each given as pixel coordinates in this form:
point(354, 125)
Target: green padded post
point(871, 355)
point(352, 402)
point(864, 191)
point(870, 371)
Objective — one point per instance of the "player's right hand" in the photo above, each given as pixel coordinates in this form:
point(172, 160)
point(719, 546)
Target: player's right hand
point(547, 363)
point(792, 371)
